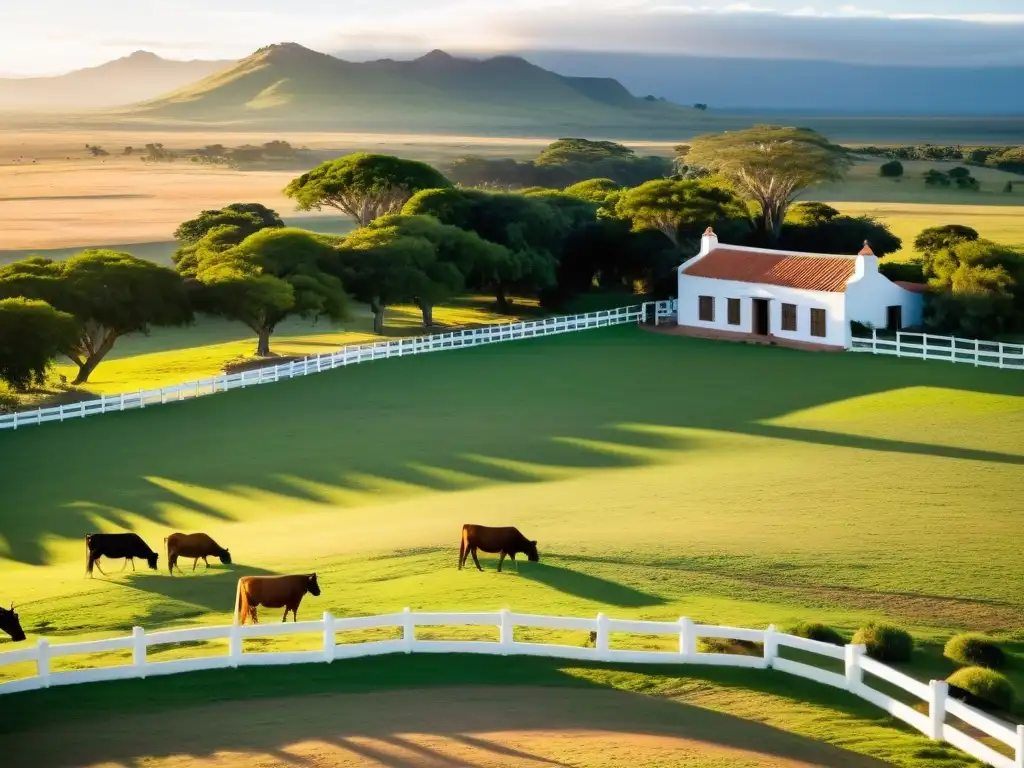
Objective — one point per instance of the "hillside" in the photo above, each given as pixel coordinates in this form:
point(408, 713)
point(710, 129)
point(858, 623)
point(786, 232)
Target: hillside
point(124, 81)
point(288, 84)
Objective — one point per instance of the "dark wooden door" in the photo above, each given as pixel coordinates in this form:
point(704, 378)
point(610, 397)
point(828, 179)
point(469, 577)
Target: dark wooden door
point(894, 318)
point(761, 324)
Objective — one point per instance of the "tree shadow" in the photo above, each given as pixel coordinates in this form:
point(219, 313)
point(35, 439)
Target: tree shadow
point(587, 587)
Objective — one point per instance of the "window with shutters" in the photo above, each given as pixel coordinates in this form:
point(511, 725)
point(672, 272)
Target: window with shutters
point(818, 322)
point(789, 317)
point(734, 311)
point(706, 307)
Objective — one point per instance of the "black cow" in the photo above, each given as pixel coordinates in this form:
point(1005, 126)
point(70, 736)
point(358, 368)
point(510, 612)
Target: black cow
point(116, 546)
point(9, 623)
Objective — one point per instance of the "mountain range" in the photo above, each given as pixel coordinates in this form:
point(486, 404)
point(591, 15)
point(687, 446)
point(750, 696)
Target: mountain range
point(127, 80)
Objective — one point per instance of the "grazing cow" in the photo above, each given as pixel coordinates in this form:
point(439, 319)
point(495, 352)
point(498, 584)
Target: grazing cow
point(9, 623)
point(507, 541)
point(195, 545)
point(116, 546)
point(273, 592)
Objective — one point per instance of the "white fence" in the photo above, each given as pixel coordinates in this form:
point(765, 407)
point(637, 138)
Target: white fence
point(350, 355)
point(990, 354)
point(855, 664)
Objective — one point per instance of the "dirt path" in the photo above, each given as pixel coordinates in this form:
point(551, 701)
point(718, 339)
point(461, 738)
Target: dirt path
point(476, 727)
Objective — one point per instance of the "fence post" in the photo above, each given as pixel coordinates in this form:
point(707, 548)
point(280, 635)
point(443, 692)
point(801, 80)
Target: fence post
point(602, 644)
point(1020, 747)
point(43, 662)
point(328, 637)
point(505, 634)
point(771, 645)
point(977, 351)
point(687, 638)
point(408, 629)
point(139, 650)
point(235, 645)
point(937, 690)
point(854, 673)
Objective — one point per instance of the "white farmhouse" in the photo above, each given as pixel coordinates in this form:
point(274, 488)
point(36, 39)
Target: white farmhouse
point(731, 291)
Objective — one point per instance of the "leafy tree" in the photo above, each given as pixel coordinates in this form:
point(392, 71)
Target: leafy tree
point(382, 267)
point(769, 165)
point(593, 190)
point(109, 293)
point(891, 170)
point(811, 213)
point(232, 224)
point(818, 232)
point(473, 259)
point(935, 239)
point(271, 275)
point(936, 178)
point(977, 289)
point(566, 151)
point(363, 186)
point(531, 230)
point(32, 333)
point(678, 209)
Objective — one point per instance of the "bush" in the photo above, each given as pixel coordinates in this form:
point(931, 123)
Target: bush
point(727, 645)
point(892, 170)
point(986, 686)
point(971, 649)
point(814, 630)
point(885, 642)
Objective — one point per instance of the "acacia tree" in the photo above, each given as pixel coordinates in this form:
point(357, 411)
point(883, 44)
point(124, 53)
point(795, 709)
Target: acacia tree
point(593, 190)
point(109, 293)
point(381, 266)
point(364, 186)
point(770, 165)
point(934, 239)
point(32, 333)
point(233, 223)
point(678, 208)
point(469, 254)
point(271, 275)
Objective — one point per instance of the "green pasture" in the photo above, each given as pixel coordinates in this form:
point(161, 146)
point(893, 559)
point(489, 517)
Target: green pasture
point(662, 476)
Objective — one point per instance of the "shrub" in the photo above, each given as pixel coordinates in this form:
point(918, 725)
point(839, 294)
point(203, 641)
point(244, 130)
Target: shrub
point(971, 649)
point(814, 630)
point(985, 686)
point(892, 170)
point(727, 645)
point(885, 642)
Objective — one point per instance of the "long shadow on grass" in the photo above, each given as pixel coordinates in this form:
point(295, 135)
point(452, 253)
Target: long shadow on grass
point(516, 412)
point(484, 701)
point(587, 587)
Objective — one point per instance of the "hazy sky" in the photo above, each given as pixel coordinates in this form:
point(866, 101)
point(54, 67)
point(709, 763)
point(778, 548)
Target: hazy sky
point(50, 36)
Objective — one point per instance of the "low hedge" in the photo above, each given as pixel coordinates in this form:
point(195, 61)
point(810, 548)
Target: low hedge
point(728, 645)
point(885, 642)
point(974, 650)
point(986, 686)
point(814, 630)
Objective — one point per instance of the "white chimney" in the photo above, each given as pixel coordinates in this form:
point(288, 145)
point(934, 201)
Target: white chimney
point(867, 262)
point(708, 242)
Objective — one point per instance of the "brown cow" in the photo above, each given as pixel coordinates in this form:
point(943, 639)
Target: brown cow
point(195, 545)
point(273, 592)
point(507, 541)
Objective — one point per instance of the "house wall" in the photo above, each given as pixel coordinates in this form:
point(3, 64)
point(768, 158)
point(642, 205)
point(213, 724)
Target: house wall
point(834, 304)
point(869, 297)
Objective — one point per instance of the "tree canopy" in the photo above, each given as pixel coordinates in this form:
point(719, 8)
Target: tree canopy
point(935, 239)
point(110, 294)
point(770, 165)
point(565, 151)
point(221, 228)
point(272, 274)
point(593, 190)
point(32, 333)
point(820, 228)
point(680, 210)
point(364, 186)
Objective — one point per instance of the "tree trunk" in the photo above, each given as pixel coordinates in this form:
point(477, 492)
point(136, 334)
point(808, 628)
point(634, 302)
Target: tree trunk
point(428, 313)
point(378, 317)
point(87, 355)
point(503, 303)
point(263, 344)
point(85, 370)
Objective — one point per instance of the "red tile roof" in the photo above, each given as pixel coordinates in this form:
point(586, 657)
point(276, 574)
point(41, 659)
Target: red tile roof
point(812, 273)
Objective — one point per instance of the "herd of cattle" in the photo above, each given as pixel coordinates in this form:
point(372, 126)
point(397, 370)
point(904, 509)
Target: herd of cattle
point(266, 591)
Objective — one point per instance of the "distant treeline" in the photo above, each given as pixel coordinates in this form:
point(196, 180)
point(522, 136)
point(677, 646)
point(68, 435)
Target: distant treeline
point(564, 163)
point(272, 153)
point(1002, 158)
